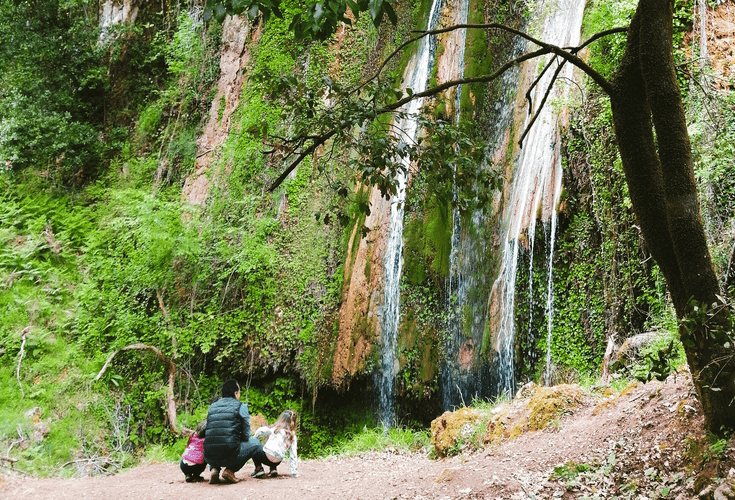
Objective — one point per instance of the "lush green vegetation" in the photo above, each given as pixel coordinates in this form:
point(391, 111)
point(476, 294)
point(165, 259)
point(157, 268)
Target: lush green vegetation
point(52, 113)
point(109, 256)
point(97, 250)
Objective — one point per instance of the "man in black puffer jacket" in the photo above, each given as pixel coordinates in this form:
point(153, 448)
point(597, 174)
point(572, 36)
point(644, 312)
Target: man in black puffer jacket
point(227, 442)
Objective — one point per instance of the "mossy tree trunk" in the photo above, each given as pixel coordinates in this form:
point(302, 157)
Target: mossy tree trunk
point(654, 146)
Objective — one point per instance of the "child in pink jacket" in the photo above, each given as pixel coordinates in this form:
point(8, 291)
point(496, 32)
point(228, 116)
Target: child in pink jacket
point(192, 461)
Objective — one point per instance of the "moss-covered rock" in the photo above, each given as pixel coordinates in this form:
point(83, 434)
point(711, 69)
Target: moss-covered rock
point(451, 429)
point(549, 403)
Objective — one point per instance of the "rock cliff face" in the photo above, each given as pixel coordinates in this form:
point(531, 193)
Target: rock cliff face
point(359, 328)
point(720, 45)
point(355, 336)
point(234, 59)
point(112, 13)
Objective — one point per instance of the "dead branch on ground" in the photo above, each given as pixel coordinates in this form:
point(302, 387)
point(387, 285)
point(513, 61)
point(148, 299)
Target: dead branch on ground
point(20, 359)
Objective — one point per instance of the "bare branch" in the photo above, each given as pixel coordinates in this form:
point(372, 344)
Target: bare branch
point(569, 55)
point(170, 369)
point(107, 363)
point(463, 81)
point(572, 50)
point(22, 346)
point(581, 91)
point(317, 142)
point(543, 101)
point(204, 153)
point(596, 37)
point(423, 34)
point(535, 82)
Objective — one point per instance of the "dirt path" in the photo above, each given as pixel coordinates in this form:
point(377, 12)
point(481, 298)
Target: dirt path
point(645, 431)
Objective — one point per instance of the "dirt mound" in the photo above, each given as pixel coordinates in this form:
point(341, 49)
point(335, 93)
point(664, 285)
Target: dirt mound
point(648, 442)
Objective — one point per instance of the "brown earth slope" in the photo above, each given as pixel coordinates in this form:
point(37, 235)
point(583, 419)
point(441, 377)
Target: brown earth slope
point(644, 444)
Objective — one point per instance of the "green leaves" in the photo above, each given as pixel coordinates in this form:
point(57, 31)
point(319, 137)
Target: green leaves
point(379, 7)
point(52, 91)
point(315, 21)
point(219, 10)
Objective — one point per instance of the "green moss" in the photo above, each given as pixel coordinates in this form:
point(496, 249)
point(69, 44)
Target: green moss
point(439, 234)
point(408, 331)
point(549, 403)
point(414, 261)
point(441, 110)
point(478, 61)
point(429, 363)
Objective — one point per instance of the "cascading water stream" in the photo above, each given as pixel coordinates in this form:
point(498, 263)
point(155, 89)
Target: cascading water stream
point(535, 188)
point(459, 381)
point(703, 53)
point(417, 80)
point(550, 284)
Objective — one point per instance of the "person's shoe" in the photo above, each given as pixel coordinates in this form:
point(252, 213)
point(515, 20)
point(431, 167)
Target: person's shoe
point(273, 472)
point(228, 477)
point(214, 478)
point(197, 479)
point(258, 472)
point(189, 479)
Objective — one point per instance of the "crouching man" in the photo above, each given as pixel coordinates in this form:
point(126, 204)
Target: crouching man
point(227, 443)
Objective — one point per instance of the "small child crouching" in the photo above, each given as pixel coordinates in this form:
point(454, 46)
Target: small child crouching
point(281, 440)
point(192, 461)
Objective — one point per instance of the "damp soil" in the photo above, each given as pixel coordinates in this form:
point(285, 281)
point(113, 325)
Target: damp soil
point(648, 443)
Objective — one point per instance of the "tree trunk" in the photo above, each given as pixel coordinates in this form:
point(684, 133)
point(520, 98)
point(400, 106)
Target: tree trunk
point(646, 97)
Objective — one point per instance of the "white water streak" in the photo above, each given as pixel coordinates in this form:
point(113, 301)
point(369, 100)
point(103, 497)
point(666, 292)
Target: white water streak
point(417, 80)
point(550, 285)
point(536, 183)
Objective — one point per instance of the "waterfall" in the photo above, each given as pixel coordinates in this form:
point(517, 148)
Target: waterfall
point(461, 381)
point(703, 53)
point(535, 192)
point(417, 77)
point(535, 187)
point(550, 283)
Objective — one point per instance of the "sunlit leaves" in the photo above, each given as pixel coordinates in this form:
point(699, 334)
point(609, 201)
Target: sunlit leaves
point(315, 21)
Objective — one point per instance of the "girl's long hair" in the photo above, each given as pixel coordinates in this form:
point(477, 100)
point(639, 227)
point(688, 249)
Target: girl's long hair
point(288, 420)
point(201, 429)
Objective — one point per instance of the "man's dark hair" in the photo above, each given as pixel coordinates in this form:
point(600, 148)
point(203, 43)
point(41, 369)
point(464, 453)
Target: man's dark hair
point(229, 388)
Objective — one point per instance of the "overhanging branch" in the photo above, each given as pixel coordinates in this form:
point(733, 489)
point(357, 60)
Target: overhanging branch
point(567, 54)
point(320, 140)
point(541, 106)
point(572, 51)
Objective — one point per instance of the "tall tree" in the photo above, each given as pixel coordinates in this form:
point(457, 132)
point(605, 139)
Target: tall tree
point(648, 112)
point(52, 88)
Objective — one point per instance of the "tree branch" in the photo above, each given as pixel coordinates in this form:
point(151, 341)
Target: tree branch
point(170, 369)
point(541, 106)
point(317, 142)
point(567, 54)
point(571, 55)
point(535, 82)
point(463, 81)
point(396, 105)
point(597, 36)
point(22, 346)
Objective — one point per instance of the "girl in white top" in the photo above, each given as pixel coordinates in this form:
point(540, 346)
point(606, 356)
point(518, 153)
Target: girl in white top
point(281, 440)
